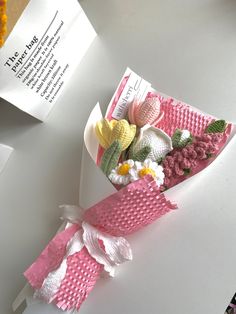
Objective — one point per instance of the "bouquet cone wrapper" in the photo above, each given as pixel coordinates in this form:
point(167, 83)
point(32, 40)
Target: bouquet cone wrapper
point(46, 41)
point(182, 262)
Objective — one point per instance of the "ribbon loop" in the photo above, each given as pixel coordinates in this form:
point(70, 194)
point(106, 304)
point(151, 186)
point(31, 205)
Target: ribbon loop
point(105, 250)
point(116, 249)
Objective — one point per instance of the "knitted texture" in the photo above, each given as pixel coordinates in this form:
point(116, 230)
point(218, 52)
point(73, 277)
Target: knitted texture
point(130, 209)
point(175, 116)
point(81, 276)
point(181, 138)
point(181, 116)
point(217, 126)
point(159, 142)
point(190, 159)
point(146, 112)
point(142, 154)
point(111, 157)
point(109, 131)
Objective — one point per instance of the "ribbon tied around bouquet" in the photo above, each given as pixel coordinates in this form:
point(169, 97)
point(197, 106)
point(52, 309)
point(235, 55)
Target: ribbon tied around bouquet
point(107, 250)
point(93, 242)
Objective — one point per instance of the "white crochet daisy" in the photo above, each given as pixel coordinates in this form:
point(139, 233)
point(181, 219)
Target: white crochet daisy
point(121, 175)
point(141, 169)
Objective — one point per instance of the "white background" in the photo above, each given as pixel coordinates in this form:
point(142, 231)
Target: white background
point(185, 48)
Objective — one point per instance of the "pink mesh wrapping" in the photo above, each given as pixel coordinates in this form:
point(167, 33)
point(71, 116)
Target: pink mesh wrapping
point(126, 211)
point(130, 209)
point(81, 276)
point(50, 258)
point(182, 116)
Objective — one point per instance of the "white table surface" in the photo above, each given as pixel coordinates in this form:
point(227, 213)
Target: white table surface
point(186, 49)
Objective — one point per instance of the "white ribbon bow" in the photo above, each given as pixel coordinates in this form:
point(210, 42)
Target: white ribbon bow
point(116, 251)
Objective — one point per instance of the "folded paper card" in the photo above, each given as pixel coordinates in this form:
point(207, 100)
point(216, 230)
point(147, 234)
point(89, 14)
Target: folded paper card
point(144, 186)
point(41, 52)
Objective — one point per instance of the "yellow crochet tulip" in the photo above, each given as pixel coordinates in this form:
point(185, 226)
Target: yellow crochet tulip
point(108, 131)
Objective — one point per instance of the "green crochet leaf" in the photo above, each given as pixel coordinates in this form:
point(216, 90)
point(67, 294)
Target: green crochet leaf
point(131, 149)
point(209, 155)
point(179, 140)
point(111, 157)
point(142, 154)
point(187, 171)
point(217, 126)
point(159, 160)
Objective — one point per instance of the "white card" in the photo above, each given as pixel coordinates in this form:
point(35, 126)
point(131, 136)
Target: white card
point(44, 48)
point(131, 86)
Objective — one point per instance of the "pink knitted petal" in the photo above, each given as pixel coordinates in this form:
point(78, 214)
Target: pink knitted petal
point(50, 258)
point(194, 156)
point(152, 94)
point(149, 111)
point(133, 107)
point(81, 276)
point(158, 119)
point(181, 116)
point(130, 209)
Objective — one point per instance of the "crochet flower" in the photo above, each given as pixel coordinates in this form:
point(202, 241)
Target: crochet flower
point(181, 162)
point(159, 142)
point(146, 112)
point(148, 167)
point(121, 175)
point(109, 131)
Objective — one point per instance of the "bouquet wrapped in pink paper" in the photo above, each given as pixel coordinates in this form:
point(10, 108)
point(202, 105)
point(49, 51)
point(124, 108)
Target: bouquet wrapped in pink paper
point(146, 144)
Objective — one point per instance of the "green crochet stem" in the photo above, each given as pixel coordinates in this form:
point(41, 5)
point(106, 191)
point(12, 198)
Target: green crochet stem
point(131, 149)
point(111, 157)
point(142, 154)
point(217, 126)
point(177, 142)
point(159, 160)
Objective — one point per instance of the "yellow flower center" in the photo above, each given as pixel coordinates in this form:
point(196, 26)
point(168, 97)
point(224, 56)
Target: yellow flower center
point(143, 172)
point(123, 170)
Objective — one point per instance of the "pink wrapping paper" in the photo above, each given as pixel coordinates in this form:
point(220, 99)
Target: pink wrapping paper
point(50, 258)
point(124, 212)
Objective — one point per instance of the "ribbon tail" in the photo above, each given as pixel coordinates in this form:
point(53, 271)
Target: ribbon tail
point(53, 281)
point(106, 250)
point(64, 273)
point(51, 257)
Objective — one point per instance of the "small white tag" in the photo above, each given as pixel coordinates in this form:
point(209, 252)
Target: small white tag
point(131, 86)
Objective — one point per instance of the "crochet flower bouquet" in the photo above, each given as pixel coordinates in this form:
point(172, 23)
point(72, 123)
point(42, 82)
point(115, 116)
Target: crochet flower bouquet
point(146, 144)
